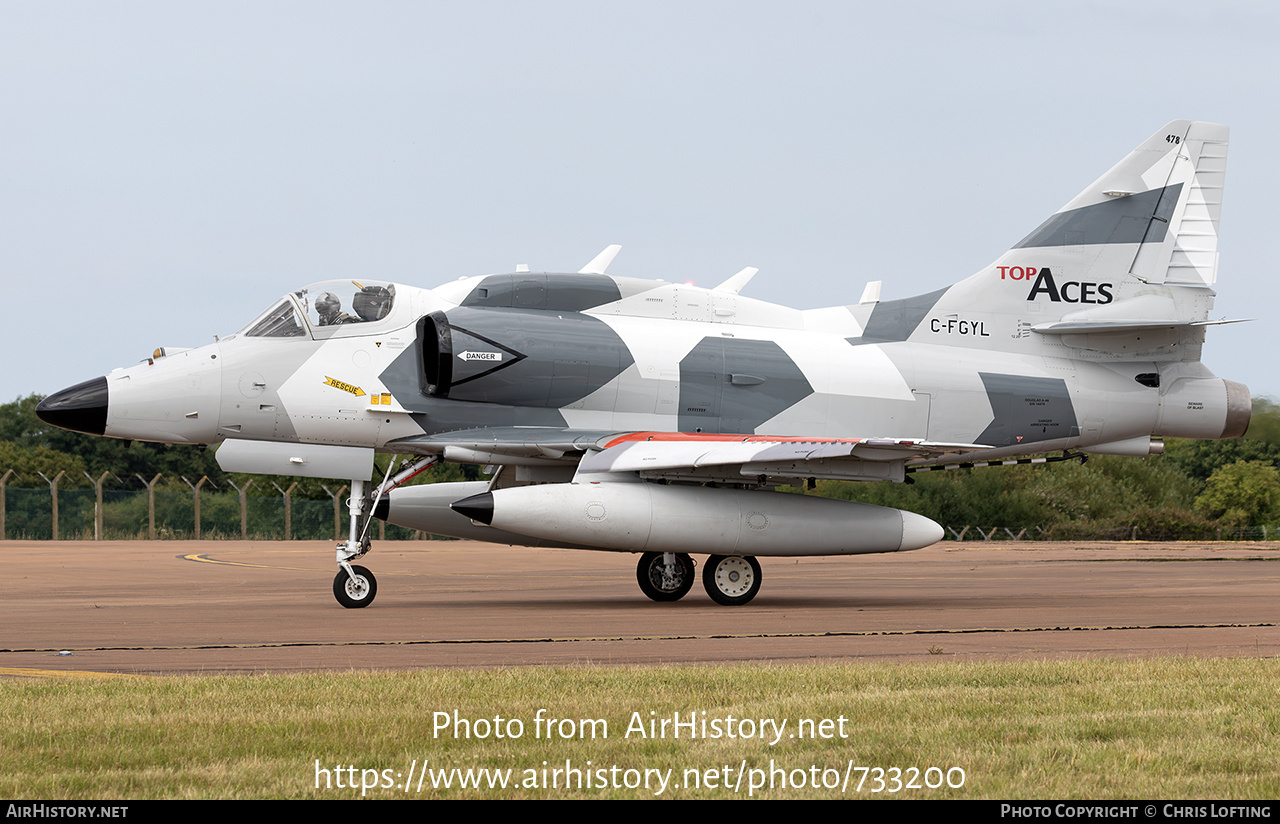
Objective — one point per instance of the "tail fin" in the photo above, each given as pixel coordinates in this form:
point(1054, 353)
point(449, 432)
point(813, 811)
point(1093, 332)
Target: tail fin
point(1133, 251)
point(1154, 215)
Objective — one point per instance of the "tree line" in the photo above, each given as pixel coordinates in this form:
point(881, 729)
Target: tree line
point(1194, 490)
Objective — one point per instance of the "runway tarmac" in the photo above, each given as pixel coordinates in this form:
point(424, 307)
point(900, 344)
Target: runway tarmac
point(142, 607)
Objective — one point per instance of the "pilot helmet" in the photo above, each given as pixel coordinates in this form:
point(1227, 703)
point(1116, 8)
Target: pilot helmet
point(327, 303)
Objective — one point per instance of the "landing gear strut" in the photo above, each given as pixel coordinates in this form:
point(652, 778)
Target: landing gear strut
point(355, 587)
point(665, 576)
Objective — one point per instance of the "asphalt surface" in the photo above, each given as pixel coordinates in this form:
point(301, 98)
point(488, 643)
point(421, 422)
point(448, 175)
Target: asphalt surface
point(142, 607)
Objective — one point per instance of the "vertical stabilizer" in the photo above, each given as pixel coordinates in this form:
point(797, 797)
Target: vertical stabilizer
point(1153, 216)
point(1120, 272)
point(1187, 252)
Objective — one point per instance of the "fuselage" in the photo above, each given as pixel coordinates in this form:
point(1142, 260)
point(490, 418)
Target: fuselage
point(611, 354)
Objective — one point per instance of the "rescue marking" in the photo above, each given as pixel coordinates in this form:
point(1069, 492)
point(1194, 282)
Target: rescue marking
point(345, 387)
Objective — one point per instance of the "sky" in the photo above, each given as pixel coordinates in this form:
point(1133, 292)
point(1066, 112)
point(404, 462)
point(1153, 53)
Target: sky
point(167, 169)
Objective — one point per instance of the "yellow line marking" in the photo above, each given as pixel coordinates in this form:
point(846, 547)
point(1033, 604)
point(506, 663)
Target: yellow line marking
point(204, 559)
point(48, 673)
point(200, 558)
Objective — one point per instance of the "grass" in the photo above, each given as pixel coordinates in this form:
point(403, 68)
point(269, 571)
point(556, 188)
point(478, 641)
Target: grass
point(1163, 728)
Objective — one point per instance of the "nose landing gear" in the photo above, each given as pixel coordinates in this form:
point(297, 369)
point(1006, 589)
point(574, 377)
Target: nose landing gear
point(354, 586)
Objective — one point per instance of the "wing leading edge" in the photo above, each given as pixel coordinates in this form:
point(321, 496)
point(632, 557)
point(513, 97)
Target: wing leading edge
point(688, 456)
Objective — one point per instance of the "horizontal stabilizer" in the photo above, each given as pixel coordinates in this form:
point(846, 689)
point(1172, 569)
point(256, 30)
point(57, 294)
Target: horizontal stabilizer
point(1117, 326)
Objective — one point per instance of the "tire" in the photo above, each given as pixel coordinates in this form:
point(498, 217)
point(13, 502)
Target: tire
point(731, 580)
point(358, 592)
point(651, 575)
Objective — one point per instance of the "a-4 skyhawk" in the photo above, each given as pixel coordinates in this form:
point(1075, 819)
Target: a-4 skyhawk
point(658, 418)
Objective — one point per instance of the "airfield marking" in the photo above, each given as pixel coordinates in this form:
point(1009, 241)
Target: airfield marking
point(613, 638)
point(1152, 560)
point(505, 618)
point(201, 558)
point(25, 672)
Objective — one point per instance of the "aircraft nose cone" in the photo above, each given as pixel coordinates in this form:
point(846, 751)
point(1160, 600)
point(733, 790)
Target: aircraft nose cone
point(80, 408)
point(477, 507)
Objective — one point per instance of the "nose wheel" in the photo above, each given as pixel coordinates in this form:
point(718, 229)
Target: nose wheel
point(731, 580)
point(355, 587)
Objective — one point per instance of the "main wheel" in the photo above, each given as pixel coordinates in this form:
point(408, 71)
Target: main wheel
point(654, 581)
point(357, 592)
point(731, 580)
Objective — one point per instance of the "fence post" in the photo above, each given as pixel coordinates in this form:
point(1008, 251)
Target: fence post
point(288, 508)
point(53, 491)
point(338, 533)
point(151, 503)
point(244, 511)
point(9, 473)
point(97, 502)
point(195, 494)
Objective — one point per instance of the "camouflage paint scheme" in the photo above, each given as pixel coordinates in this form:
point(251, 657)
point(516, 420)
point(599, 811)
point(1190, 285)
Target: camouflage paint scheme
point(638, 415)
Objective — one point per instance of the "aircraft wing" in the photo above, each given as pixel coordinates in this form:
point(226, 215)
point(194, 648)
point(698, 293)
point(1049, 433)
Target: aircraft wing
point(504, 444)
point(749, 456)
point(686, 455)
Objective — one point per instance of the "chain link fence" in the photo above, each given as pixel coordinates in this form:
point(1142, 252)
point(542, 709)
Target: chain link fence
point(1084, 531)
point(165, 512)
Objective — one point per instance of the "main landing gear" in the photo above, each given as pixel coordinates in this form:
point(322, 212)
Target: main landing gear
point(354, 586)
point(665, 576)
point(730, 580)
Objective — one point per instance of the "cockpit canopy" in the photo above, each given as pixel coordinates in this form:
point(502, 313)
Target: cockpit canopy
point(327, 309)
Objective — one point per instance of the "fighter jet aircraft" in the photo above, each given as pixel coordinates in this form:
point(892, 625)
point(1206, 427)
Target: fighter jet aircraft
point(660, 418)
